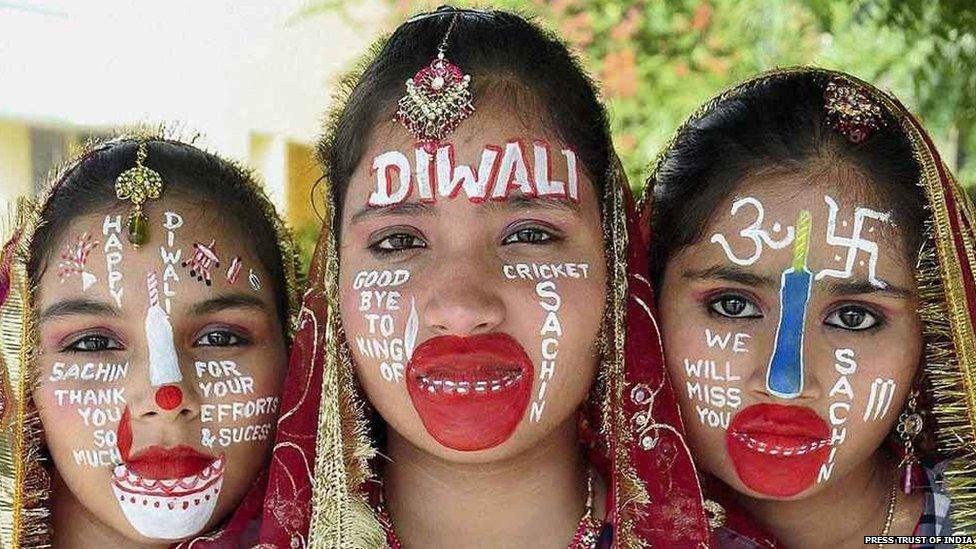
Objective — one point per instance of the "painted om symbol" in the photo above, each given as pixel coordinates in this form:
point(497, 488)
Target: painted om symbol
point(753, 232)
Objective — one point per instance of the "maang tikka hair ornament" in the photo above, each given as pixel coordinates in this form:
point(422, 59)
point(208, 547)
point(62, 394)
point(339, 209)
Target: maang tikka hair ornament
point(850, 111)
point(138, 184)
point(437, 99)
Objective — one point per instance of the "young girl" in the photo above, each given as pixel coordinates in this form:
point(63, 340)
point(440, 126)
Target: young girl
point(478, 315)
point(145, 305)
point(814, 259)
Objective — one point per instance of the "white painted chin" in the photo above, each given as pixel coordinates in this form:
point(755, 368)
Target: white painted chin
point(168, 509)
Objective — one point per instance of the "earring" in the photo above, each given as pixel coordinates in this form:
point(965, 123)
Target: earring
point(908, 427)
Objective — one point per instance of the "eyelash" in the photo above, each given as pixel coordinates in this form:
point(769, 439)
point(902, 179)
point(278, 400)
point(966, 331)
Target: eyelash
point(713, 303)
point(241, 340)
point(111, 343)
point(548, 236)
point(870, 314)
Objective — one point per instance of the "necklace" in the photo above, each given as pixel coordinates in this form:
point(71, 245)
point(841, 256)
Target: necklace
point(586, 536)
point(892, 499)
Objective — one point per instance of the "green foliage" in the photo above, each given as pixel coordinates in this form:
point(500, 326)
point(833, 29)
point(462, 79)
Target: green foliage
point(657, 61)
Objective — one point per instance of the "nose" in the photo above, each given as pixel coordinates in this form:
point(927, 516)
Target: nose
point(464, 301)
point(165, 376)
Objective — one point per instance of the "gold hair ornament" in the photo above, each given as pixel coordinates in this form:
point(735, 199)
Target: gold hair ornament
point(850, 111)
point(138, 184)
point(437, 99)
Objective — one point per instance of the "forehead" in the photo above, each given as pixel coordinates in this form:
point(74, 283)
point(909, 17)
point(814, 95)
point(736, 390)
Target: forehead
point(781, 197)
point(490, 133)
point(94, 247)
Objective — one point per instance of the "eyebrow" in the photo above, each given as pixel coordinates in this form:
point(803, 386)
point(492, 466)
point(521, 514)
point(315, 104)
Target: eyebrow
point(228, 301)
point(513, 202)
point(733, 274)
point(862, 286)
point(76, 307)
point(523, 202)
point(402, 208)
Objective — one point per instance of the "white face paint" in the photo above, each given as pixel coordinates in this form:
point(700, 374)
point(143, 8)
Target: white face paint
point(380, 304)
point(74, 258)
point(855, 243)
point(882, 391)
point(175, 512)
point(550, 301)
point(112, 230)
point(841, 396)
point(99, 409)
point(713, 385)
point(164, 364)
point(501, 172)
point(754, 233)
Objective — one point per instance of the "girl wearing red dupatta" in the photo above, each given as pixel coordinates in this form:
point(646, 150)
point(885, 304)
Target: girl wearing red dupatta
point(815, 262)
point(143, 348)
point(477, 361)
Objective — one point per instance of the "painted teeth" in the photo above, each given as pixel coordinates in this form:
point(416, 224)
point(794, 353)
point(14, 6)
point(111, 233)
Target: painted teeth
point(775, 450)
point(448, 387)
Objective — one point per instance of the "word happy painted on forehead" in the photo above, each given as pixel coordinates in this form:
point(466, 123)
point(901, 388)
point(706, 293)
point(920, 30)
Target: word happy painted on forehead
point(515, 167)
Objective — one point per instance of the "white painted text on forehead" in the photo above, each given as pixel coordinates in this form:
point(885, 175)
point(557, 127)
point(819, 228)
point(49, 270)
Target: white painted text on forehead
point(501, 172)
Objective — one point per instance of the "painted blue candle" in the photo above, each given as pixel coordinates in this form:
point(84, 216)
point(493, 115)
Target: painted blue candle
point(784, 377)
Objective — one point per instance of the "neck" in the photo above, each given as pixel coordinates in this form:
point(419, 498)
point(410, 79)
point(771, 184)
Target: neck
point(534, 499)
point(854, 507)
point(76, 527)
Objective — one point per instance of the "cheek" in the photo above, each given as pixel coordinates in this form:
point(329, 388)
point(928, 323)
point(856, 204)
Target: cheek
point(81, 406)
point(380, 317)
point(239, 400)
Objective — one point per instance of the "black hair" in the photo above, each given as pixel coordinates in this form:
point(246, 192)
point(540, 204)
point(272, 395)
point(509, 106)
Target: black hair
point(499, 50)
point(777, 124)
point(204, 180)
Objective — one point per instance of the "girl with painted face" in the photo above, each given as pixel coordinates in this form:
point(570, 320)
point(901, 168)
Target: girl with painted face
point(814, 261)
point(145, 300)
point(474, 345)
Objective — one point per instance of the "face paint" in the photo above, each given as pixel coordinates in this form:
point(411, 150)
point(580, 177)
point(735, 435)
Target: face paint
point(882, 391)
point(224, 380)
point(501, 171)
point(470, 392)
point(73, 260)
point(111, 230)
point(234, 272)
point(855, 243)
point(784, 377)
point(98, 408)
point(203, 261)
point(376, 302)
point(166, 493)
point(776, 449)
point(754, 233)
point(839, 409)
point(712, 384)
point(164, 364)
point(254, 280)
point(171, 258)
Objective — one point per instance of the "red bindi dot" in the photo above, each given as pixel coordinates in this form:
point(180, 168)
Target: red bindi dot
point(169, 397)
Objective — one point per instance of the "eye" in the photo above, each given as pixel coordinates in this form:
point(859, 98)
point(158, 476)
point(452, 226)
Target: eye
point(397, 242)
point(528, 235)
point(734, 306)
point(220, 338)
point(93, 343)
point(854, 318)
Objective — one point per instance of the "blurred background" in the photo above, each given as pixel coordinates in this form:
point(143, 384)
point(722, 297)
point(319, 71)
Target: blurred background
point(255, 78)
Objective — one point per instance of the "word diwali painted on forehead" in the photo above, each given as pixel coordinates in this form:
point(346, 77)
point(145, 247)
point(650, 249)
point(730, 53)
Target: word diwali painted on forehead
point(777, 237)
point(501, 172)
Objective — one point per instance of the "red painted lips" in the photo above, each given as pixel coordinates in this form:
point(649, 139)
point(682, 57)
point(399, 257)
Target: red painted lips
point(777, 450)
point(156, 462)
point(470, 392)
